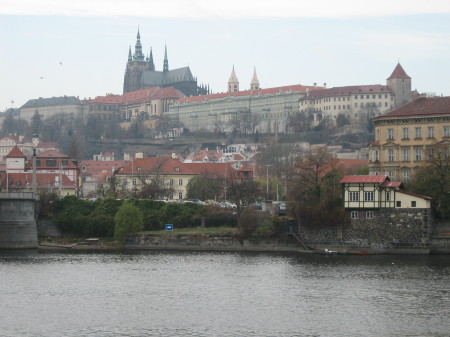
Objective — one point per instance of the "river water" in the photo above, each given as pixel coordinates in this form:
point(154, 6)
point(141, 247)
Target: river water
point(149, 293)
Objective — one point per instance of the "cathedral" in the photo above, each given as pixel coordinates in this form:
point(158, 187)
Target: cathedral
point(140, 73)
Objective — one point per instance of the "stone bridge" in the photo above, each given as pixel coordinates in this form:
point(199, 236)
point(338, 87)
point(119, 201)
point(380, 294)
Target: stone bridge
point(18, 211)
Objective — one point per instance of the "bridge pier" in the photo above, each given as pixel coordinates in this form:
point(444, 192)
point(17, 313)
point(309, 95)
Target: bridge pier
point(18, 228)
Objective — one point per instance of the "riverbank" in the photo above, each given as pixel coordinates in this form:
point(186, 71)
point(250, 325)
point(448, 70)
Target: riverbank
point(236, 243)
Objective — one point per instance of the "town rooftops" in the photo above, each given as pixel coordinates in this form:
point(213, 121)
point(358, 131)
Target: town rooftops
point(43, 180)
point(349, 90)
point(424, 106)
point(258, 92)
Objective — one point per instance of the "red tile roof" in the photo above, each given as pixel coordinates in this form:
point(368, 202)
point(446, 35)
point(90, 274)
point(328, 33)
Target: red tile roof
point(97, 167)
point(212, 170)
point(44, 180)
point(421, 107)
point(152, 165)
point(51, 154)
point(346, 91)
point(364, 179)
point(398, 73)
point(395, 184)
point(15, 153)
point(258, 92)
point(169, 92)
point(111, 99)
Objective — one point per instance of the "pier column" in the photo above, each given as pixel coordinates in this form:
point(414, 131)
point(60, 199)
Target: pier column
point(18, 228)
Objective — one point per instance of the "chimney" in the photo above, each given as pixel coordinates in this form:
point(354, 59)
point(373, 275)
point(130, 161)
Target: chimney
point(315, 85)
point(325, 85)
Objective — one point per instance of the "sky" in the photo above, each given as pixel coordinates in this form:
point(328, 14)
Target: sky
point(51, 48)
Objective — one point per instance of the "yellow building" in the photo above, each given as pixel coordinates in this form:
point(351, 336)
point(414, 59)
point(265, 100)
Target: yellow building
point(404, 136)
point(168, 175)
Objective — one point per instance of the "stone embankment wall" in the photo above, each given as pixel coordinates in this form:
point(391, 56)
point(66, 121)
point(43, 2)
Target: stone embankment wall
point(212, 242)
point(390, 228)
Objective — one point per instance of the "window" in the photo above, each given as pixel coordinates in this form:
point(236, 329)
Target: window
point(390, 133)
point(180, 182)
point(354, 196)
point(390, 155)
point(405, 175)
point(405, 133)
point(354, 214)
point(405, 154)
point(369, 215)
point(171, 196)
point(418, 154)
point(418, 132)
point(377, 155)
point(134, 182)
point(431, 132)
point(171, 182)
point(446, 131)
point(413, 203)
point(65, 162)
point(388, 196)
point(50, 162)
point(368, 196)
point(180, 195)
point(399, 204)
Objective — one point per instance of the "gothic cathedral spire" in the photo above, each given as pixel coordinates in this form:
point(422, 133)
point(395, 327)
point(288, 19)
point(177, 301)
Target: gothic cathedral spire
point(233, 82)
point(151, 65)
point(130, 57)
point(254, 84)
point(166, 61)
point(138, 54)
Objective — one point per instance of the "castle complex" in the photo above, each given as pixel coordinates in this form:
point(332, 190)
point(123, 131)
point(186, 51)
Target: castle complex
point(269, 109)
point(359, 102)
point(140, 73)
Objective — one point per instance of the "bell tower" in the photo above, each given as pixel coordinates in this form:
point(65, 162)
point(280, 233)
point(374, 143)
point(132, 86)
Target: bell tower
point(233, 82)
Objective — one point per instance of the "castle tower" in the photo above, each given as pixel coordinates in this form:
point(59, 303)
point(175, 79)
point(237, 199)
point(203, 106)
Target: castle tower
point(233, 82)
point(400, 84)
point(254, 84)
point(136, 65)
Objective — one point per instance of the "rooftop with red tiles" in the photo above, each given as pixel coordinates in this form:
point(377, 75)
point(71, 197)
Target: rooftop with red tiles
point(398, 72)
point(379, 179)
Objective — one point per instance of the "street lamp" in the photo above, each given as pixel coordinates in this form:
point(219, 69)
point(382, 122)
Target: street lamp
point(267, 181)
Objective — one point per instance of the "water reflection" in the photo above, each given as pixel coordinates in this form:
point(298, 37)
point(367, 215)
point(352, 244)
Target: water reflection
point(160, 293)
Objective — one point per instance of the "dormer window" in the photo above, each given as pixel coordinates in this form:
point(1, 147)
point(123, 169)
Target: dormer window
point(177, 169)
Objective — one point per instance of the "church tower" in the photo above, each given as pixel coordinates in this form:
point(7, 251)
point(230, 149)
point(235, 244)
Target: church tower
point(166, 61)
point(233, 82)
point(136, 65)
point(400, 84)
point(254, 84)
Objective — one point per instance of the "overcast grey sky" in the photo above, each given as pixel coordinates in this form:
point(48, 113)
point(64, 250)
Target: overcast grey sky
point(80, 48)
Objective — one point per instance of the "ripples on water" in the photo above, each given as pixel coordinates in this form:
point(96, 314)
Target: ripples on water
point(222, 294)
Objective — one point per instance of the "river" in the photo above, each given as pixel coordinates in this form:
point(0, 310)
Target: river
point(155, 293)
